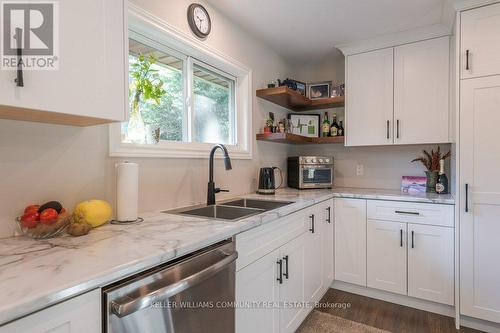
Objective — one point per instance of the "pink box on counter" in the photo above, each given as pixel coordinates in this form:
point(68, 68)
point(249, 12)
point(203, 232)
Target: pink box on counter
point(413, 184)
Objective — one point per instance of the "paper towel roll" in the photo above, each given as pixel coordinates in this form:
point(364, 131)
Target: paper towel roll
point(127, 191)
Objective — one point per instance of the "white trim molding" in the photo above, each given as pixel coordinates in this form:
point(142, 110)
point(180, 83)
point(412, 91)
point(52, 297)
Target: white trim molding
point(461, 5)
point(395, 39)
point(144, 23)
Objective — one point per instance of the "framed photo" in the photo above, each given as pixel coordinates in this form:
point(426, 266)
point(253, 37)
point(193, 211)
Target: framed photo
point(413, 184)
point(304, 124)
point(319, 90)
point(301, 87)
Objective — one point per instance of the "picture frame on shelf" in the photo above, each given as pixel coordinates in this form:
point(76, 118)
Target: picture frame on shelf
point(319, 90)
point(305, 124)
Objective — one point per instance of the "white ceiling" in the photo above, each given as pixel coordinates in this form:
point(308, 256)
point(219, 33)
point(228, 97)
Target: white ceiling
point(306, 30)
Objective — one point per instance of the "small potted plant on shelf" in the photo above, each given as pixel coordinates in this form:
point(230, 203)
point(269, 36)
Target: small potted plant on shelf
point(431, 163)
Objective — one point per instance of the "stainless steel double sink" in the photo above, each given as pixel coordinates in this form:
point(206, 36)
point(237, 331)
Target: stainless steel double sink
point(230, 210)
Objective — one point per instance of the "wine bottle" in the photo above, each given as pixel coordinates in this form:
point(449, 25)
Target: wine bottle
point(325, 128)
point(340, 131)
point(334, 129)
point(442, 181)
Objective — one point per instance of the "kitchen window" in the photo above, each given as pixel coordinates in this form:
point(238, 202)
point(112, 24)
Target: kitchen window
point(183, 97)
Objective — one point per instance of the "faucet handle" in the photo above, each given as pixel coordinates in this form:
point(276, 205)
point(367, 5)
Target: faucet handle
point(217, 190)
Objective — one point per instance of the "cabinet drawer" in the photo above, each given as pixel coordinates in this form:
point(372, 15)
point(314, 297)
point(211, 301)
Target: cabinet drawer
point(256, 243)
point(420, 213)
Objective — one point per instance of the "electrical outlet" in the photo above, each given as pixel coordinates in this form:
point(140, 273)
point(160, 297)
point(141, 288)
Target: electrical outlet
point(360, 170)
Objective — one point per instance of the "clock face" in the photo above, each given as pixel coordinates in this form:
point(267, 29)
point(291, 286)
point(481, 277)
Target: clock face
point(199, 20)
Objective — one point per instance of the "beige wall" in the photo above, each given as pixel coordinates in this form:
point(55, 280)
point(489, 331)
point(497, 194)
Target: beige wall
point(40, 162)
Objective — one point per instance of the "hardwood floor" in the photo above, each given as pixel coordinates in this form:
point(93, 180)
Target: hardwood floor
point(388, 316)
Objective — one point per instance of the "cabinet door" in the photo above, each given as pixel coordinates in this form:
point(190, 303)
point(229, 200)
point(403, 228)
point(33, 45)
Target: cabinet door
point(326, 213)
point(479, 217)
point(350, 241)
point(292, 289)
point(313, 264)
point(430, 263)
point(78, 314)
point(257, 283)
point(386, 256)
point(369, 98)
point(90, 80)
point(421, 92)
point(480, 28)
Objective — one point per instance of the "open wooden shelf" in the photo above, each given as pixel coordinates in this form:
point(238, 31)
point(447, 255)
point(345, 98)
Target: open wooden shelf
point(294, 101)
point(297, 139)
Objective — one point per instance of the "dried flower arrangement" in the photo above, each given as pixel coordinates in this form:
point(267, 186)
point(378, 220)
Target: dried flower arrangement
point(431, 161)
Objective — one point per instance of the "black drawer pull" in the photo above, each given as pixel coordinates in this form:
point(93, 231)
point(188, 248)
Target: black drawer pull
point(412, 239)
point(329, 218)
point(466, 198)
point(388, 129)
point(407, 213)
point(401, 237)
point(19, 42)
point(467, 67)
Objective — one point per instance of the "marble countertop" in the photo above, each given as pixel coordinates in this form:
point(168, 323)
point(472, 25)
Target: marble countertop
point(36, 274)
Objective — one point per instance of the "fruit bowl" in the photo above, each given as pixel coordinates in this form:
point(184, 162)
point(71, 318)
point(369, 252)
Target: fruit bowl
point(44, 231)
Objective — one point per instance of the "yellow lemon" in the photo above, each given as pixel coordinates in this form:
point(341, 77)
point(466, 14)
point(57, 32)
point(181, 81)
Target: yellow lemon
point(94, 212)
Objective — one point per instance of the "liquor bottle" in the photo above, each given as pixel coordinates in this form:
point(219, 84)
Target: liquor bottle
point(325, 128)
point(442, 182)
point(340, 131)
point(334, 129)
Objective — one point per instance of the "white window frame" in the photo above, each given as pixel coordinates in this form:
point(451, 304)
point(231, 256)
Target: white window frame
point(143, 23)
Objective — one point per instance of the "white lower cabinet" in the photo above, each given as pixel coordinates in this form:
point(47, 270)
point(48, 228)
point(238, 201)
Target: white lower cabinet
point(431, 263)
point(79, 314)
point(386, 256)
point(293, 285)
point(257, 290)
point(273, 290)
point(350, 241)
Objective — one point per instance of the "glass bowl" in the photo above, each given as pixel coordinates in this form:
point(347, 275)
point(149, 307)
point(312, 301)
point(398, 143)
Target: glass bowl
point(44, 231)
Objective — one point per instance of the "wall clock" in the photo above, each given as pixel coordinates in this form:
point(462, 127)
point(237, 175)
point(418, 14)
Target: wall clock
point(199, 20)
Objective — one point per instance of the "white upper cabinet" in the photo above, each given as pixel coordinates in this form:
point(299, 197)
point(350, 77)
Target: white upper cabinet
point(90, 85)
point(399, 95)
point(421, 92)
point(480, 198)
point(480, 49)
point(369, 98)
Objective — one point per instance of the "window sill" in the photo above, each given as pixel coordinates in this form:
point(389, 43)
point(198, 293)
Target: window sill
point(174, 150)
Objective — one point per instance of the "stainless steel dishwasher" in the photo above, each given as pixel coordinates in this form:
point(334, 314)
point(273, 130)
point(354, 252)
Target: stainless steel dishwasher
point(193, 294)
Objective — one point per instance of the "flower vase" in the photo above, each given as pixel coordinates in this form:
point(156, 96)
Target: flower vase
point(136, 130)
point(432, 177)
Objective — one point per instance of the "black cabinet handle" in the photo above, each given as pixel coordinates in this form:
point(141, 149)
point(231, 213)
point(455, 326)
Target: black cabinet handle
point(466, 198)
point(280, 266)
point(412, 239)
point(329, 218)
point(467, 60)
point(285, 258)
point(19, 41)
point(407, 213)
point(312, 223)
point(388, 129)
point(397, 129)
point(401, 237)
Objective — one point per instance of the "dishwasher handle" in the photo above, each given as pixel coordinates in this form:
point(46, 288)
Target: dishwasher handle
point(122, 309)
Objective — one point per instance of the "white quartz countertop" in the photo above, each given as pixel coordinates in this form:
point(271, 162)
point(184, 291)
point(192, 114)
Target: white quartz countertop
point(36, 274)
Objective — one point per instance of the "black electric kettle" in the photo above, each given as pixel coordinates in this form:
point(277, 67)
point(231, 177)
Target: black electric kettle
point(267, 184)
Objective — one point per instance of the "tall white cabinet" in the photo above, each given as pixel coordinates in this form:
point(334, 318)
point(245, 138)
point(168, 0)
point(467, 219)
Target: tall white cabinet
point(479, 163)
point(480, 199)
point(392, 92)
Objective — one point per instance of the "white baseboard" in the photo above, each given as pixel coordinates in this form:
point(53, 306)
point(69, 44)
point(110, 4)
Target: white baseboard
point(411, 302)
point(478, 324)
